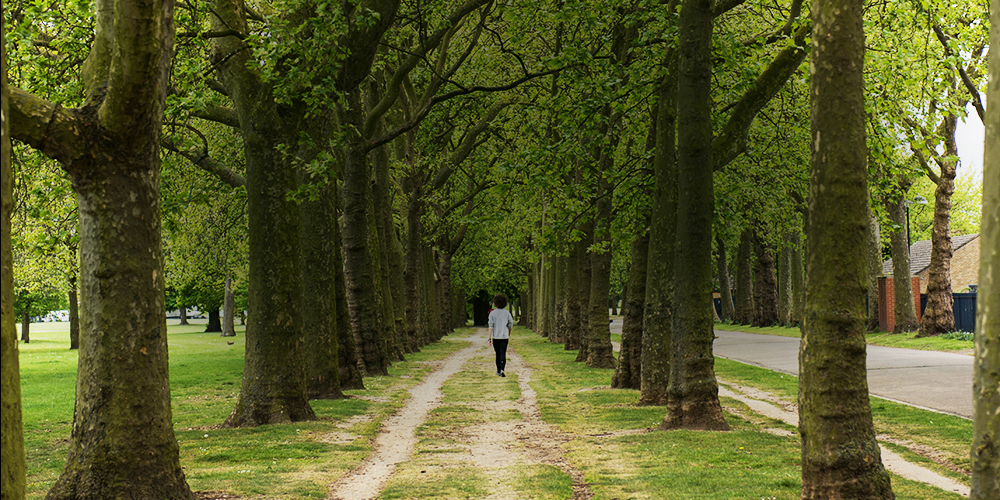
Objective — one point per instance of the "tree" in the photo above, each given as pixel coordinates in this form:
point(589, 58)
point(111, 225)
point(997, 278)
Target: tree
point(110, 147)
point(692, 393)
point(986, 368)
point(840, 456)
point(13, 466)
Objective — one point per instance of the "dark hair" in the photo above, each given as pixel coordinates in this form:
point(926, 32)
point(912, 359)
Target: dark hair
point(500, 300)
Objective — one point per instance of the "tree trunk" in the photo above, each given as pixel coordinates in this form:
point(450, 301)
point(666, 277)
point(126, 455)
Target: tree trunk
point(693, 392)
point(184, 315)
point(657, 312)
point(74, 316)
point(765, 290)
point(986, 365)
point(583, 285)
point(229, 310)
point(13, 464)
point(600, 353)
point(528, 299)
point(273, 388)
point(785, 282)
point(840, 456)
point(744, 280)
point(572, 304)
point(725, 286)
point(904, 317)
point(347, 349)
point(628, 375)
point(798, 280)
point(25, 326)
point(873, 257)
point(214, 321)
point(360, 261)
point(559, 301)
point(414, 209)
point(938, 316)
point(319, 291)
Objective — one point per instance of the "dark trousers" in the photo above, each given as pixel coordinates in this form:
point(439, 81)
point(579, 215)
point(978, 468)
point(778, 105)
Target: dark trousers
point(500, 346)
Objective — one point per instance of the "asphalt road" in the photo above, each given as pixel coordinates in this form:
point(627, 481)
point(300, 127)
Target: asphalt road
point(934, 380)
point(938, 381)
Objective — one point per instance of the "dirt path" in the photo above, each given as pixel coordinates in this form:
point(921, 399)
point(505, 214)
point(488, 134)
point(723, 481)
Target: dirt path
point(499, 447)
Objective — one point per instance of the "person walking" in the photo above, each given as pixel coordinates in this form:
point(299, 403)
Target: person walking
point(501, 323)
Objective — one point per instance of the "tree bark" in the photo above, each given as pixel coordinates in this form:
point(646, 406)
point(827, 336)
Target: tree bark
point(347, 349)
point(765, 290)
point(184, 315)
point(986, 365)
point(122, 426)
point(229, 310)
point(798, 281)
point(74, 316)
point(693, 392)
point(559, 301)
point(25, 327)
point(13, 464)
point(657, 311)
point(873, 257)
point(600, 354)
point(318, 261)
point(628, 375)
point(273, 388)
point(905, 317)
point(214, 321)
point(938, 316)
point(572, 303)
point(840, 456)
point(744, 280)
point(785, 282)
point(361, 264)
point(725, 285)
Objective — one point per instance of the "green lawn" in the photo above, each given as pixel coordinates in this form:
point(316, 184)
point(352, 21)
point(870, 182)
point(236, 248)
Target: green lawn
point(607, 437)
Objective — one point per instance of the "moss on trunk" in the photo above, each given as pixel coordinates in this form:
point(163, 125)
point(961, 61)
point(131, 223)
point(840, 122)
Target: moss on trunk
point(692, 394)
point(628, 374)
point(658, 307)
point(840, 456)
point(744, 280)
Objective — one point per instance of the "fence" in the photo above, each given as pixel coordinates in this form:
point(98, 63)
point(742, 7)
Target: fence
point(964, 308)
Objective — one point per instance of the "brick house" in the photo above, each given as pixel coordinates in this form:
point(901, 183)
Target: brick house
point(964, 262)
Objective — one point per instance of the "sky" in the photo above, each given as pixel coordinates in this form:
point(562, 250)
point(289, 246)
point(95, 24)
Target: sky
point(969, 136)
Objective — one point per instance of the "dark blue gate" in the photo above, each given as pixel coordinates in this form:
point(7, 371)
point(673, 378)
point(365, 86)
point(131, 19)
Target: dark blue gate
point(964, 309)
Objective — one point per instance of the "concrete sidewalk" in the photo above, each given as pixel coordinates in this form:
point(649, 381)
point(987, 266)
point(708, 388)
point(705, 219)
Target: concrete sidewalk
point(938, 381)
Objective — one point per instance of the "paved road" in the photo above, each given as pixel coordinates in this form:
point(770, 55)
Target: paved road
point(938, 381)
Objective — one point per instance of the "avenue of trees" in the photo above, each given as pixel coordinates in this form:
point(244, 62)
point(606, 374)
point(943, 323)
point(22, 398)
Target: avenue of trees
point(346, 177)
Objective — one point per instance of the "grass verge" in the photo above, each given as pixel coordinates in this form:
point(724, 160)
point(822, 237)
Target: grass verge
point(947, 343)
point(623, 456)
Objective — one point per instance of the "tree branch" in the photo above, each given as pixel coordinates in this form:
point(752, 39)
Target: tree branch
point(720, 7)
point(969, 84)
point(201, 160)
point(218, 114)
point(392, 89)
point(46, 126)
point(420, 114)
point(731, 141)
